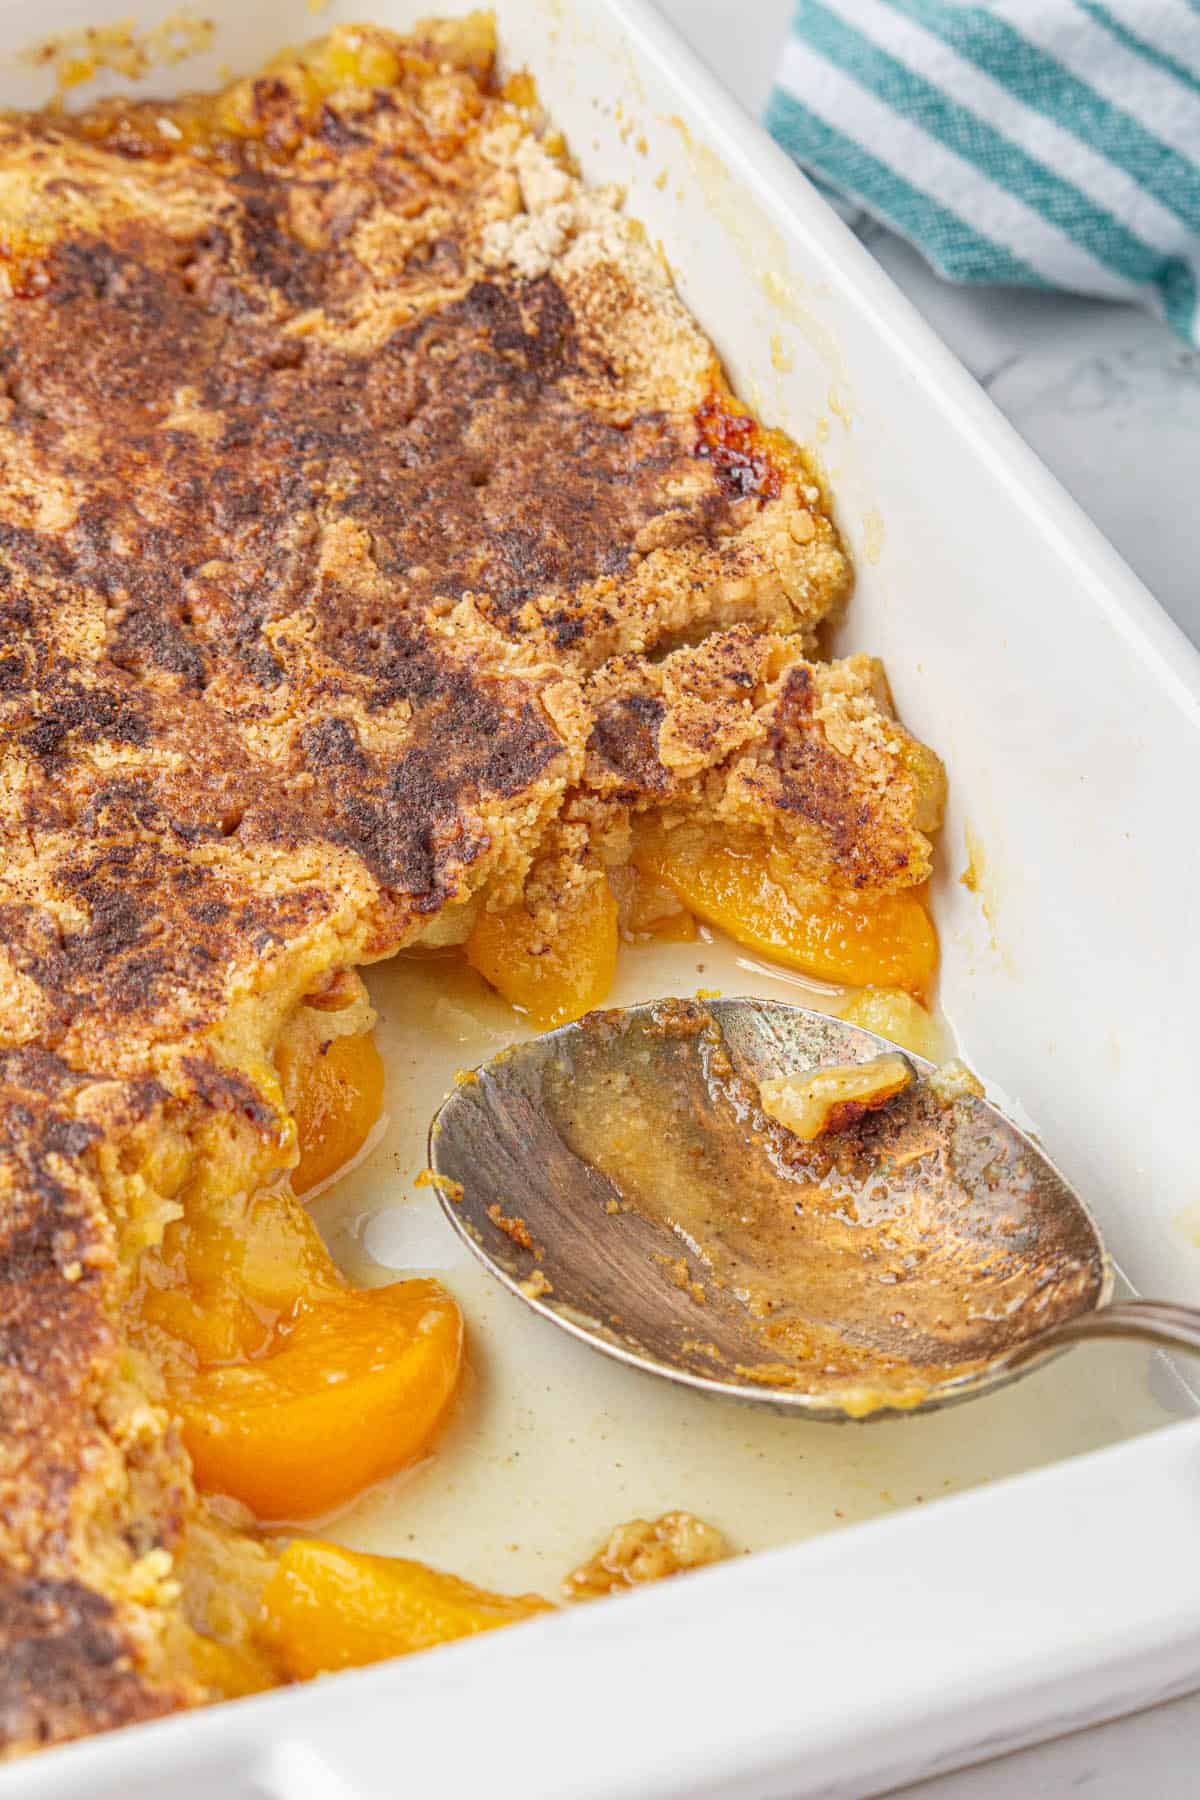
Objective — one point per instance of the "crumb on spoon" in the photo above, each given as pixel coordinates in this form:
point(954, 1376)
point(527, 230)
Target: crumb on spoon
point(830, 1099)
point(953, 1080)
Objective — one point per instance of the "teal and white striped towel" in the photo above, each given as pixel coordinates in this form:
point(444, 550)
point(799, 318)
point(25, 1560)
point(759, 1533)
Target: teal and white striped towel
point(1053, 143)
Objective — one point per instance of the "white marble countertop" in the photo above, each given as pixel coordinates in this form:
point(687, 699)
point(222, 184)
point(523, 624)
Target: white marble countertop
point(1111, 401)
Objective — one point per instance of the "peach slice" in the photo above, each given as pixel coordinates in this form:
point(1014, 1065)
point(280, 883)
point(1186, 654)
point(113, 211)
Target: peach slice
point(329, 1608)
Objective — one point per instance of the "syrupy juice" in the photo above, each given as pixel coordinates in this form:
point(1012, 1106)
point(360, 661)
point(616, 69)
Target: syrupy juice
point(551, 1444)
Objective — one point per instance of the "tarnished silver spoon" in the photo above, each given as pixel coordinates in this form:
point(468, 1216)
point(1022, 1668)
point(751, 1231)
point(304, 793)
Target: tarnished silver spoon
point(621, 1176)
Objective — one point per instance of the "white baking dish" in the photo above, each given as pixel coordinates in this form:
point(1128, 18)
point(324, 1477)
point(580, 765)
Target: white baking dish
point(1067, 707)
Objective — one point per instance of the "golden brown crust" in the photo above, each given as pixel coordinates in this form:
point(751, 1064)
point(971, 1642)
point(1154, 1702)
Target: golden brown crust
point(78, 1651)
point(741, 730)
point(67, 1666)
point(371, 515)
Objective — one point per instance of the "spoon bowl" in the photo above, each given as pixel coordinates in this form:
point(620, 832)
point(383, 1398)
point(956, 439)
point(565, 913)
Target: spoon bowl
point(620, 1176)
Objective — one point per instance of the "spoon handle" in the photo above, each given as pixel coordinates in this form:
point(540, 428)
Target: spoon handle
point(1159, 1321)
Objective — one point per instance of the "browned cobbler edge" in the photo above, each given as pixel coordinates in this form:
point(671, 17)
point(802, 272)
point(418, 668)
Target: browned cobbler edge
point(375, 529)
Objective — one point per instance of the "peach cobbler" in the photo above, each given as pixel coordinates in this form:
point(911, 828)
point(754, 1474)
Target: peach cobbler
point(384, 563)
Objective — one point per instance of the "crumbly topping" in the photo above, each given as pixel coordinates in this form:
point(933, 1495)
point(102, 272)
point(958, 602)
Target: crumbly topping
point(953, 1081)
point(377, 537)
point(641, 1551)
point(828, 1099)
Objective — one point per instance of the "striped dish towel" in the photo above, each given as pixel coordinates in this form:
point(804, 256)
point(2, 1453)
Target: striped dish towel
point(1053, 143)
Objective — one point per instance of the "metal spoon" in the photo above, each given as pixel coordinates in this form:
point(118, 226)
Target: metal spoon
point(620, 1176)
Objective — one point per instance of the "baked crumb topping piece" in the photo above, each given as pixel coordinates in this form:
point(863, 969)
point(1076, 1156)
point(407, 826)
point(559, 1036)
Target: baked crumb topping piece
point(644, 1550)
point(379, 542)
point(830, 1098)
